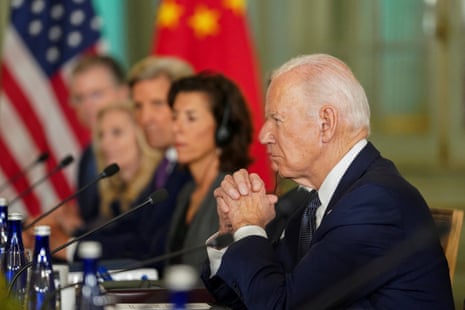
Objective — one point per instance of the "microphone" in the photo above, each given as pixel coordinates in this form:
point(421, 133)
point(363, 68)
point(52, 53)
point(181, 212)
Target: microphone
point(220, 241)
point(155, 197)
point(107, 172)
point(63, 163)
point(42, 157)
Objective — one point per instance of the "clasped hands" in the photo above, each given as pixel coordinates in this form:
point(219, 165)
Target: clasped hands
point(242, 200)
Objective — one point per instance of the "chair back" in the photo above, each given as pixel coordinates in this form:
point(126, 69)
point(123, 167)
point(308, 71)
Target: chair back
point(452, 219)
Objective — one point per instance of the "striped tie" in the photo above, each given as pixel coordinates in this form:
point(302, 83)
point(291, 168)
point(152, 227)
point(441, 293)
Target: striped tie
point(308, 225)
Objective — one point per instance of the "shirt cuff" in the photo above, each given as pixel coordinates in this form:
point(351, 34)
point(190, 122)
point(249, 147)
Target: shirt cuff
point(215, 256)
point(249, 230)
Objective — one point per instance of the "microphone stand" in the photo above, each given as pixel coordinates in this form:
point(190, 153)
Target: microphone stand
point(112, 169)
point(116, 218)
point(155, 197)
point(37, 219)
point(220, 241)
point(64, 163)
point(42, 157)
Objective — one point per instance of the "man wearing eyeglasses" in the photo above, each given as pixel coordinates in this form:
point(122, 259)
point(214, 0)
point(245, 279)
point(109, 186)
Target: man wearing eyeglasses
point(96, 81)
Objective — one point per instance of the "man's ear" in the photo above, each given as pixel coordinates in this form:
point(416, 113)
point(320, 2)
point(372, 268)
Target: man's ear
point(328, 122)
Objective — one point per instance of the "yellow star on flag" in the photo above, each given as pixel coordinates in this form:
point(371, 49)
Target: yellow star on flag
point(169, 14)
point(237, 6)
point(204, 21)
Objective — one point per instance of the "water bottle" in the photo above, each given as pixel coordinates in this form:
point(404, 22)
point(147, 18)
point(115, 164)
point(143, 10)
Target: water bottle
point(14, 256)
point(3, 229)
point(41, 288)
point(180, 279)
point(91, 296)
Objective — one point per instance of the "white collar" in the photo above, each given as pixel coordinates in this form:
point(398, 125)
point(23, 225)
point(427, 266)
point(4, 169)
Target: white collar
point(171, 154)
point(333, 178)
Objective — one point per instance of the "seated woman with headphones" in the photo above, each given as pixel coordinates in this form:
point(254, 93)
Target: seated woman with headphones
point(213, 132)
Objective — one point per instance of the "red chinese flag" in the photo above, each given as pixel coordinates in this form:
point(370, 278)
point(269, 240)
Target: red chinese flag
point(213, 35)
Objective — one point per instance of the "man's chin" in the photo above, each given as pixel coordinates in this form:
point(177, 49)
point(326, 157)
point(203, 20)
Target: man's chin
point(281, 172)
point(158, 145)
point(275, 167)
point(155, 145)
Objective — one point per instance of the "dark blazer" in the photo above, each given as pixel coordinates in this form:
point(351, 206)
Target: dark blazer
point(203, 225)
point(89, 200)
point(371, 212)
point(142, 235)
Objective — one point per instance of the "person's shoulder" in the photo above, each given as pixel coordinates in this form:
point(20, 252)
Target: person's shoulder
point(87, 156)
point(87, 151)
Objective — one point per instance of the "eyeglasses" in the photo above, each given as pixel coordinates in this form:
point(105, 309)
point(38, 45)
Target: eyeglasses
point(94, 95)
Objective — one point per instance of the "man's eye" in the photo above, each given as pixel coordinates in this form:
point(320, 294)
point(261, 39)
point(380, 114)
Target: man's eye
point(159, 103)
point(276, 119)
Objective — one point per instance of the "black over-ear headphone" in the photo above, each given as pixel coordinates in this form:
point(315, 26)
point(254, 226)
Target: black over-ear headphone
point(223, 132)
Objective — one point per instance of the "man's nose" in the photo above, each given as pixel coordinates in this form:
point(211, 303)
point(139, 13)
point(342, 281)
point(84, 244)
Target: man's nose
point(144, 116)
point(265, 135)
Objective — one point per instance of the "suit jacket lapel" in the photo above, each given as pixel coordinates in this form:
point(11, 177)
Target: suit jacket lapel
point(358, 167)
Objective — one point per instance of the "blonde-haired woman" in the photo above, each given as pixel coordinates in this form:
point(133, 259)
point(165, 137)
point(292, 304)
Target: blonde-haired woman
point(118, 139)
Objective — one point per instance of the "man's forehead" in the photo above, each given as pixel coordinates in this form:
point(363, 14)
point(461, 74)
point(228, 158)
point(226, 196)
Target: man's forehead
point(94, 75)
point(96, 69)
point(283, 99)
point(276, 109)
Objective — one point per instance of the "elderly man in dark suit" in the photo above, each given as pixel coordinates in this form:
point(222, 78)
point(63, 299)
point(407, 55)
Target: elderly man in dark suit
point(360, 209)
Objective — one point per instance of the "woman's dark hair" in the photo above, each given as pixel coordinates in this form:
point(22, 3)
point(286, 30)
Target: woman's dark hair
point(224, 96)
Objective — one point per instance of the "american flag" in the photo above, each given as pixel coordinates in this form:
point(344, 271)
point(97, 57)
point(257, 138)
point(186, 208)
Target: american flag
point(41, 44)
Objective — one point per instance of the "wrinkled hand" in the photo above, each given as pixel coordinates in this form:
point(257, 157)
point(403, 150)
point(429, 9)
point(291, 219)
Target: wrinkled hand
point(225, 223)
point(242, 200)
point(239, 184)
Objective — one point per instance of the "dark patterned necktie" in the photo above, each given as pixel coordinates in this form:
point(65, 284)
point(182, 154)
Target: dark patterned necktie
point(162, 173)
point(308, 224)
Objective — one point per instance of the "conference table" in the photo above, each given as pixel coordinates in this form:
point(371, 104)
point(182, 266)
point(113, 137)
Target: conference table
point(149, 294)
point(144, 293)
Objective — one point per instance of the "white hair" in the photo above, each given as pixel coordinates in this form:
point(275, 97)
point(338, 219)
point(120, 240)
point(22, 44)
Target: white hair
point(327, 80)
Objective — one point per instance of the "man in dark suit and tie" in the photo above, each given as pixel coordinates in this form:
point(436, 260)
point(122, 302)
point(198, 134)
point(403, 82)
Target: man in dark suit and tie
point(149, 82)
point(359, 211)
